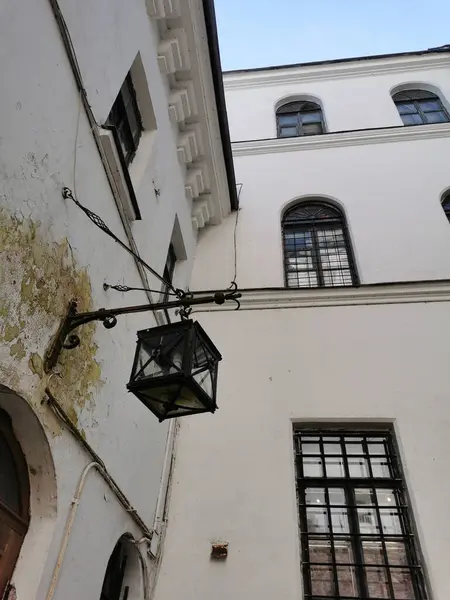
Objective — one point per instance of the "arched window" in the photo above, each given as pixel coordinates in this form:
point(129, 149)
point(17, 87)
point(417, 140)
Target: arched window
point(446, 205)
point(123, 579)
point(317, 249)
point(14, 500)
point(299, 118)
point(417, 107)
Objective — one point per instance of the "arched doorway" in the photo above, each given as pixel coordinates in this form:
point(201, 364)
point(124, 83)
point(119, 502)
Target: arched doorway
point(14, 500)
point(123, 577)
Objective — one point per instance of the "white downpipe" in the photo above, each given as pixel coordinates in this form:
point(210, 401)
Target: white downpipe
point(165, 475)
point(69, 524)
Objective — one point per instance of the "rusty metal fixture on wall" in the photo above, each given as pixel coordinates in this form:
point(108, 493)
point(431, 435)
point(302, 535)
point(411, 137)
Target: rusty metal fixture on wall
point(175, 366)
point(219, 551)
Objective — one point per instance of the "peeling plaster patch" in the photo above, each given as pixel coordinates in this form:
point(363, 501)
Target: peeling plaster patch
point(38, 278)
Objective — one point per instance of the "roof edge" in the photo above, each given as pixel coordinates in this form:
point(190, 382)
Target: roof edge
point(438, 50)
point(217, 75)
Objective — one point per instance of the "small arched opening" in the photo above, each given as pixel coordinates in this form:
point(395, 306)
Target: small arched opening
point(123, 577)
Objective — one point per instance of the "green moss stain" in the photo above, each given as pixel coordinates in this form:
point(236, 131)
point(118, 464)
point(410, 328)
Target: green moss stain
point(10, 332)
point(38, 279)
point(18, 350)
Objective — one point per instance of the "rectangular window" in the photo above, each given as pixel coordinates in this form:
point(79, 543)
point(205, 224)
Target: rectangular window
point(126, 119)
point(356, 536)
point(169, 269)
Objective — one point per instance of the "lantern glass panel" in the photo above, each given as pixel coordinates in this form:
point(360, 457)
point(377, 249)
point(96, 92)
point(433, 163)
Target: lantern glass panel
point(160, 355)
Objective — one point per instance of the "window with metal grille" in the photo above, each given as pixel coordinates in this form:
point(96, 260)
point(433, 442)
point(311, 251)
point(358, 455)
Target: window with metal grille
point(317, 250)
point(417, 107)
point(299, 118)
point(126, 119)
point(356, 535)
point(446, 205)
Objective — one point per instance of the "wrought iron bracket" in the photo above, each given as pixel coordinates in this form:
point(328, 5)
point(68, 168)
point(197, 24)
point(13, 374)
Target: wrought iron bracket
point(67, 340)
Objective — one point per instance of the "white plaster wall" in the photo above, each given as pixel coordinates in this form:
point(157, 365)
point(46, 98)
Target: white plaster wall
point(234, 476)
point(349, 102)
point(390, 193)
point(38, 124)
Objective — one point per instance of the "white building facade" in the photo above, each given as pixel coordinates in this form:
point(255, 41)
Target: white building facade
point(323, 474)
point(122, 103)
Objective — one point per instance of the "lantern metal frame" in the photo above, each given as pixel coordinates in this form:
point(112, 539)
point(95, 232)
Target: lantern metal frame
point(192, 337)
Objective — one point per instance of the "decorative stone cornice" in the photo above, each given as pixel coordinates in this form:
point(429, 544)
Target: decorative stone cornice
point(185, 64)
point(361, 137)
point(390, 293)
point(344, 70)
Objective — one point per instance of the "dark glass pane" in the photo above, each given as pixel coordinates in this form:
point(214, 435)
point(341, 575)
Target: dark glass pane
point(311, 117)
point(354, 448)
point(415, 119)
point(386, 497)
point(396, 553)
point(347, 581)
point(288, 132)
point(367, 520)
point(377, 582)
point(339, 520)
point(430, 105)
point(317, 519)
point(9, 481)
point(390, 522)
point(320, 551)
point(436, 117)
point(373, 552)
point(285, 120)
point(310, 448)
point(332, 448)
point(358, 467)
point(343, 551)
point(402, 584)
point(312, 467)
point(364, 496)
point(312, 129)
point(335, 466)
point(380, 467)
point(336, 496)
point(322, 581)
point(376, 448)
point(407, 108)
point(315, 495)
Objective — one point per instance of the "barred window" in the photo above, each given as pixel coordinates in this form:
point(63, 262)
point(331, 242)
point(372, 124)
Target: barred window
point(316, 245)
point(417, 107)
point(356, 536)
point(299, 118)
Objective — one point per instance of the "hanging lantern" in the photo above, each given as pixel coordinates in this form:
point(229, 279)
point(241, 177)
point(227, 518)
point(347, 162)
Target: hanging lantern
point(175, 370)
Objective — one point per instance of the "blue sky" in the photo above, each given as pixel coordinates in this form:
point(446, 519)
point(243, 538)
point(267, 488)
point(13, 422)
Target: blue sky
point(260, 33)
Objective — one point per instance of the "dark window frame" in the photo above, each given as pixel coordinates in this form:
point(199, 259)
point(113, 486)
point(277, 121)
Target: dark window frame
point(13, 523)
point(417, 98)
point(169, 269)
point(113, 587)
point(298, 112)
point(354, 538)
point(125, 112)
point(445, 203)
point(315, 227)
